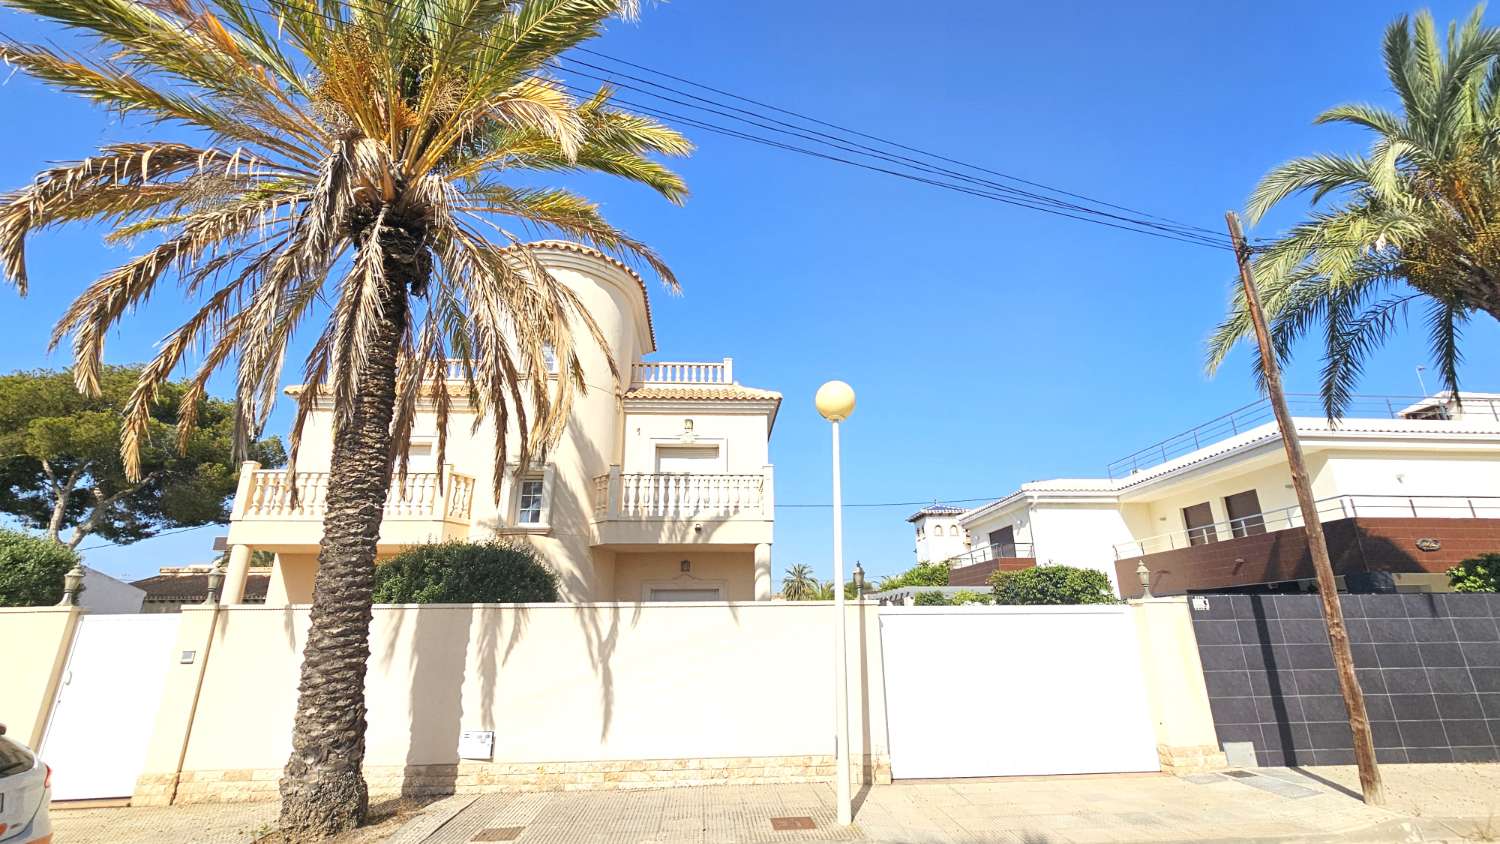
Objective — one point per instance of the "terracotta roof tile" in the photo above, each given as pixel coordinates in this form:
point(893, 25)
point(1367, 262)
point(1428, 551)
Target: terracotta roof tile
point(700, 392)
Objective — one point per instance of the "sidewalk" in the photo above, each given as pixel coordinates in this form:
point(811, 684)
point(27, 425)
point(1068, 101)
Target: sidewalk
point(1426, 803)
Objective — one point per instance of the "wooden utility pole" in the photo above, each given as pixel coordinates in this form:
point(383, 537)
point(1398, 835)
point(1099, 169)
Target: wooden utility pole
point(1333, 614)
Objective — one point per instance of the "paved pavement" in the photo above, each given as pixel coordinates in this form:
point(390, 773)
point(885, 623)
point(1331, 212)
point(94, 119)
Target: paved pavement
point(1426, 803)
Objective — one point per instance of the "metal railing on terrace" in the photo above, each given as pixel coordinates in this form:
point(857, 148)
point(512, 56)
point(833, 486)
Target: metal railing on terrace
point(1301, 404)
point(1003, 551)
point(1329, 509)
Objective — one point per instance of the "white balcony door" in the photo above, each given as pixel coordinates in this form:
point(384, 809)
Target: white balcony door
point(687, 460)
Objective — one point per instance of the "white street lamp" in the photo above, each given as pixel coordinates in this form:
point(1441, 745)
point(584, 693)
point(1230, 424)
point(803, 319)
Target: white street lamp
point(835, 401)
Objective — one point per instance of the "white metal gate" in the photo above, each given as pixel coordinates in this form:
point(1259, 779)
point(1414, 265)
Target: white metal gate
point(1008, 691)
point(106, 704)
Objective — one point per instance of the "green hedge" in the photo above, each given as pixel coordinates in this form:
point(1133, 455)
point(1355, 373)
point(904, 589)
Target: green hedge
point(465, 573)
point(1476, 574)
point(32, 569)
point(931, 599)
point(1052, 585)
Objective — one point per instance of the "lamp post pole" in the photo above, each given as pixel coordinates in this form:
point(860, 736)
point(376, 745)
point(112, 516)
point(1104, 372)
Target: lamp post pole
point(835, 401)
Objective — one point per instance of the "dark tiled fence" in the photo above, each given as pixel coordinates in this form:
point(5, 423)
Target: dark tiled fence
point(1429, 666)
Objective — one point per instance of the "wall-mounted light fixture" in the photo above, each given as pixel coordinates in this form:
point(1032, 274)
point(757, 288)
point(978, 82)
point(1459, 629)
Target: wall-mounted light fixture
point(687, 565)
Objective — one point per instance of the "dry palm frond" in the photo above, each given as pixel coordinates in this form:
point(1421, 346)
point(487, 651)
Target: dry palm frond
point(352, 149)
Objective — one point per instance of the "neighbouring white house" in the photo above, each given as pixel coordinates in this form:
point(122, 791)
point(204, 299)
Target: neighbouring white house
point(939, 535)
point(1404, 489)
point(661, 487)
point(105, 595)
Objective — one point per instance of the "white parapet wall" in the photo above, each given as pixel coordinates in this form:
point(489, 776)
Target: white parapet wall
point(616, 695)
point(589, 695)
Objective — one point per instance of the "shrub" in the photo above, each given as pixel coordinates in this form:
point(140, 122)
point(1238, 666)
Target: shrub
point(1476, 574)
point(1052, 585)
point(966, 596)
point(922, 574)
point(465, 573)
point(32, 569)
point(932, 599)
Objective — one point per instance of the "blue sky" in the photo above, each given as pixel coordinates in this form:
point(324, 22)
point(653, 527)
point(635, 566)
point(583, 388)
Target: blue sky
point(989, 345)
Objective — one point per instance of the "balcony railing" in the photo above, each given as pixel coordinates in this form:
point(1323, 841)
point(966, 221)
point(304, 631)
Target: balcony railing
point(988, 554)
point(274, 494)
point(681, 496)
point(683, 372)
point(1301, 404)
point(1329, 509)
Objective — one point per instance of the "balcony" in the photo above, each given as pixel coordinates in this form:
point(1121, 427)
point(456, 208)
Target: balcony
point(683, 372)
point(644, 508)
point(973, 568)
point(1259, 413)
point(1365, 534)
point(274, 508)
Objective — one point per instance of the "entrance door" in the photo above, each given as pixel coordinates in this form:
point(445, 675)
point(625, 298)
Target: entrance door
point(1003, 542)
point(687, 460)
point(1245, 518)
point(1199, 521)
point(1044, 672)
point(106, 705)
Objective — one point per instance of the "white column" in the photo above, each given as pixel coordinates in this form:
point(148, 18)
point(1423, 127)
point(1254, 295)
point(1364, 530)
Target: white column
point(239, 570)
point(763, 571)
point(244, 490)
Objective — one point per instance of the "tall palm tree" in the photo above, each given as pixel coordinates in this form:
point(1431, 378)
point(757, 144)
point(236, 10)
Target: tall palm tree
point(353, 178)
point(799, 583)
point(1414, 221)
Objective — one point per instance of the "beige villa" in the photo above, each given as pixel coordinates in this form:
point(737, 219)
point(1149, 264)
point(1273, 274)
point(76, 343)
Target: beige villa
point(659, 490)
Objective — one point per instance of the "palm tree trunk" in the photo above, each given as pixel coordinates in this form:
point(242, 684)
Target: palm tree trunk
point(323, 791)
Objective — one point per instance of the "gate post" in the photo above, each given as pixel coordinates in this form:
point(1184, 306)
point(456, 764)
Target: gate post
point(1176, 695)
point(157, 784)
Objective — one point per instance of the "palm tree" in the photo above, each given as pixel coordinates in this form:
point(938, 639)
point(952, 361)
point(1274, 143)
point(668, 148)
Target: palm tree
point(799, 583)
point(352, 179)
point(1415, 221)
point(822, 591)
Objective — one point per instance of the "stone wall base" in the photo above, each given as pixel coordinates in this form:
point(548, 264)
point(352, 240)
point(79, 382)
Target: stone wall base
point(1191, 760)
point(253, 784)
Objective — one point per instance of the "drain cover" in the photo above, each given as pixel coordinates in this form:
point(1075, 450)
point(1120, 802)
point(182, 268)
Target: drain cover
point(498, 833)
point(1239, 775)
point(799, 822)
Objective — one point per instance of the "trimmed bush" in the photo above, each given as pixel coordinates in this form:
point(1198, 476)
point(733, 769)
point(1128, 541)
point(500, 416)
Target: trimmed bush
point(1476, 574)
point(1052, 585)
point(465, 573)
point(931, 599)
point(32, 569)
point(966, 596)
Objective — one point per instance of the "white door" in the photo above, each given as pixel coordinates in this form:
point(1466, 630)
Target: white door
point(687, 460)
point(106, 704)
point(1010, 691)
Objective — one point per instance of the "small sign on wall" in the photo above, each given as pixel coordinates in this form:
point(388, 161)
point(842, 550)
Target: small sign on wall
point(476, 744)
point(1200, 603)
point(1429, 544)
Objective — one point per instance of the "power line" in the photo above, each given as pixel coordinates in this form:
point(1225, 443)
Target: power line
point(152, 536)
point(1002, 193)
point(924, 503)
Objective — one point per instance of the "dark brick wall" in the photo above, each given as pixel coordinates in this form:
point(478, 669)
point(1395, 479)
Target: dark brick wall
point(1355, 545)
point(979, 573)
point(1429, 666)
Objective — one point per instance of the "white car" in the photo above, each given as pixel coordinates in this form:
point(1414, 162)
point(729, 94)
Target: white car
point(25, 791)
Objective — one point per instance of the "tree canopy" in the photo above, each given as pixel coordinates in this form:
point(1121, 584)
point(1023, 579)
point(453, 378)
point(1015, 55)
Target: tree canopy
point(32, 569)
point(61, 470)
point(1414, 222)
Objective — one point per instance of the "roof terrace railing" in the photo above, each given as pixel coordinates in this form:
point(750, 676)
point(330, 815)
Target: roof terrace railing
point(1301, 404)
point(1329, 509)
point(683, 372)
